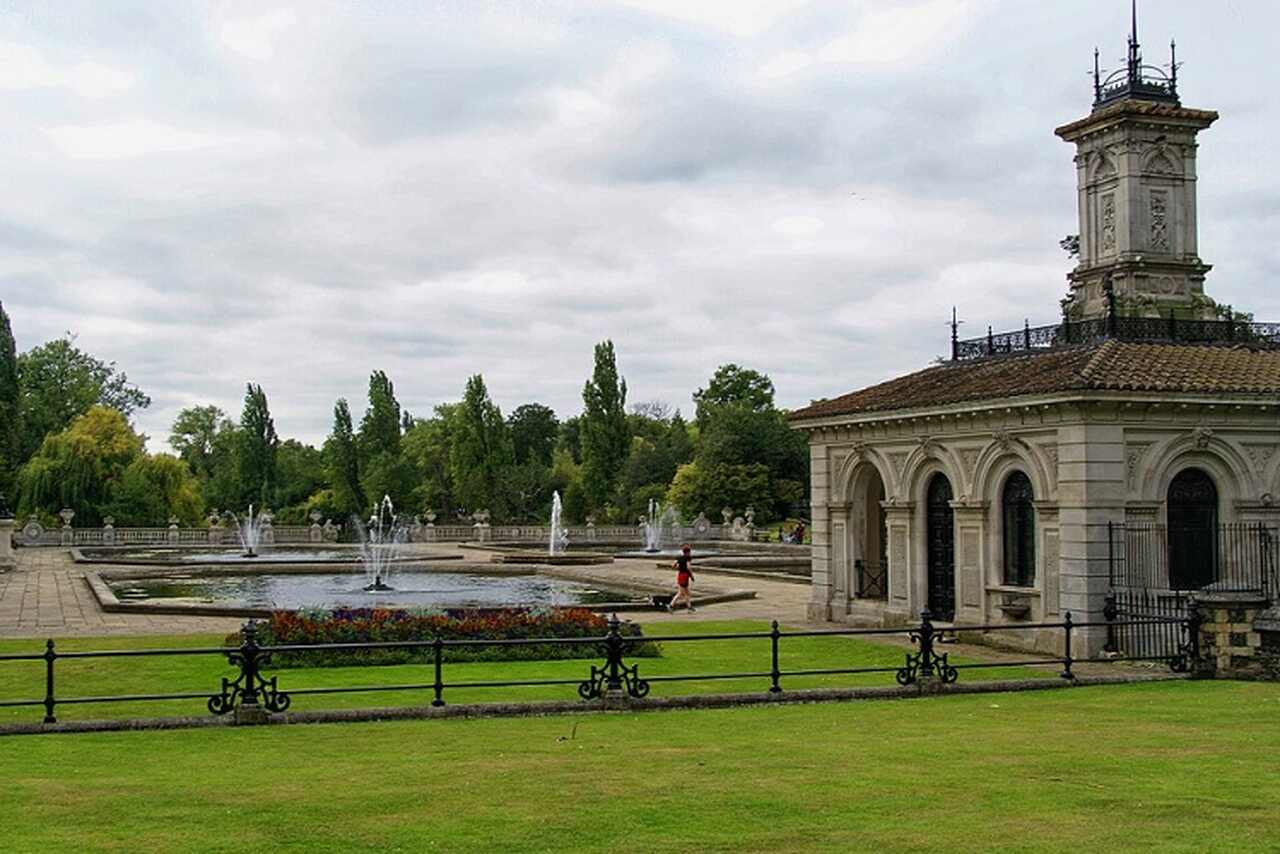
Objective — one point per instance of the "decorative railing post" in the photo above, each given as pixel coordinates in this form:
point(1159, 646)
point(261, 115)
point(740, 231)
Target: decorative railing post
point(1067, 660)
point(437, 646)
point(774, 673)
point(50, 655)
point(926, 645)
point(249, 694)
point(1190, 652)
point(613, 647)
point(614, 679)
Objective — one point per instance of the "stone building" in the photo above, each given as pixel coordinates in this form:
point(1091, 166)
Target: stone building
point(997, 487)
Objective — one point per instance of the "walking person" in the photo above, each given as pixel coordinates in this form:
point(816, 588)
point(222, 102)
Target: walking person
point(684, 576)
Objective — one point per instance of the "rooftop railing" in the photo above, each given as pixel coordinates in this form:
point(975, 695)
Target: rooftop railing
point(1073, 333)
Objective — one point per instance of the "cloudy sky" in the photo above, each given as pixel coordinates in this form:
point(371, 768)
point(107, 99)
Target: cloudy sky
point(297, 194)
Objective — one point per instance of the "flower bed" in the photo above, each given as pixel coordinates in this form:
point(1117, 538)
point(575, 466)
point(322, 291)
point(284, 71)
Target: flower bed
point(365, 625)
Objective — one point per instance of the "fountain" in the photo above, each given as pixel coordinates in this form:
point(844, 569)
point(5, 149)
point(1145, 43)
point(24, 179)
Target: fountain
point(559, 536)
point(380, 545)
point(660, 527)
point(249, 529)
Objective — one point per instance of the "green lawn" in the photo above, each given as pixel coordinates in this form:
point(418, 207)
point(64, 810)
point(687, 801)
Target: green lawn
point(181, 674)
point(1175, 766)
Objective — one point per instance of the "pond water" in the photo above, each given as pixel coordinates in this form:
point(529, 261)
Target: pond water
point(329, 590)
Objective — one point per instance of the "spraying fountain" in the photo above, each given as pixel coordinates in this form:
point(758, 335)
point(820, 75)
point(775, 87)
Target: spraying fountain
point(380, 545)
point(249, 530)
point(660, 527)
point(652, 528)
point(559, 536)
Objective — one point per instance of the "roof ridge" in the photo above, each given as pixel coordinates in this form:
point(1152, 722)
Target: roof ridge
point(1096, 361)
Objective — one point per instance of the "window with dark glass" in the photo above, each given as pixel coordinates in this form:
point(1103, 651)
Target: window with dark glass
point(1019, 532)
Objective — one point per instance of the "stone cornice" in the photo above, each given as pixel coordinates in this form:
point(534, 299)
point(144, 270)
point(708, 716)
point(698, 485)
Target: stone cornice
point(1138, 112)
point(1043, 403)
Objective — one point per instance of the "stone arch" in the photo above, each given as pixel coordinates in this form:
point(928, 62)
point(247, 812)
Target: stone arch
point(922, 463)
point(853, 467)
point(1221, 460)
point(1159, 162)
point(995, 463)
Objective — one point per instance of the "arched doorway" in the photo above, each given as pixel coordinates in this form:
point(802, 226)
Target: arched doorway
point(872, 566)
point(941, 533)
point(1193, 530)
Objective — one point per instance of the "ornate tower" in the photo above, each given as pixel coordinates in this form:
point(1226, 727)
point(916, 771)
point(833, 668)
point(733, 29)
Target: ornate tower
point(1136, 187)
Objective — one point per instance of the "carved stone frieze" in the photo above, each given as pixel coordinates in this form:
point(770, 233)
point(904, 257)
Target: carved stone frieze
point(1260, 455)
point(1132, 456)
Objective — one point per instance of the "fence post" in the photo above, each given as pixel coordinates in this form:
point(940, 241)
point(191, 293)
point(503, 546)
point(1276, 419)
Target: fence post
point(1109, 613)
point(249, 666)
point(49, 657)
point(926, 646)
point(1194, 621)
point(438, 646)
point(613, 645)
point(774, 674)
point(1066, 647)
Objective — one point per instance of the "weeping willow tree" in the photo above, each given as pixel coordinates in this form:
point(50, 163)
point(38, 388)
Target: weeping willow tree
point(80, 467)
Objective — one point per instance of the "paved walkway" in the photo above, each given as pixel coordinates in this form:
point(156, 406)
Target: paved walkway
point(46, 596)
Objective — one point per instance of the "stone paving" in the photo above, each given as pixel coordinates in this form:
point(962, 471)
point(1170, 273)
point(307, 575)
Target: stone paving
point(46, 596)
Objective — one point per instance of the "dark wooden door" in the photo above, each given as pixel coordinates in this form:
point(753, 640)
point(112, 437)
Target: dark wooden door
point(941, 535)
point(1193, 530)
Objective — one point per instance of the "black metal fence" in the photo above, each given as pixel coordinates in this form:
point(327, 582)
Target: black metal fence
point(1232, 558)
point(253, 690)
point(1142, 329)
point(873, 580)
point(1155, 570)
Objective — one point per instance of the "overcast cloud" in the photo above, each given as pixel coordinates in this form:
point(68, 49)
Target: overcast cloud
point(297, 194)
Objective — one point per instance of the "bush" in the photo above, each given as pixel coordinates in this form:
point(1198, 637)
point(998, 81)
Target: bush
point(371, 625)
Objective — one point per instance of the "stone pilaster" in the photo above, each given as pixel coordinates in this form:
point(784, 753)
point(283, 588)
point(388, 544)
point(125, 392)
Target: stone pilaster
point(1091, 492)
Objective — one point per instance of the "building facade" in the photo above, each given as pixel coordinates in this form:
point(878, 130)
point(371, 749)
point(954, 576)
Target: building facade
point(1006, 485)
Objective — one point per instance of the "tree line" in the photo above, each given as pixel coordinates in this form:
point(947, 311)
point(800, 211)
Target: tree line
point(66, 441)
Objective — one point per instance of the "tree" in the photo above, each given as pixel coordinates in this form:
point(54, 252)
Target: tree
point(258, 446)
point(343, 462)
point(299, 475)
point(426, 448)
point(570, 438)
point(380, 427)
point(481, 449)
point(194, 435)
point(534, 430)
point(10, 425)
point(58, 382)
point(605, 436)
point(154, 489)
point(732, 385)
point(79, 467)
point(382, 472)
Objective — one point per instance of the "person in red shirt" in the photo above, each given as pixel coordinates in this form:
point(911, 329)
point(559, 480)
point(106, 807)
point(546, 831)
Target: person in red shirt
point(684, 575)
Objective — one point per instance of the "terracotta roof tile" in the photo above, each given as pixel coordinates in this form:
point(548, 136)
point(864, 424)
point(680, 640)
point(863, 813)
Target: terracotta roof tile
point(1110, 366)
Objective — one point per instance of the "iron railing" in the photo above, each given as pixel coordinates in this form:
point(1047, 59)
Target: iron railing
point(253, 691)
point(873, 580)
point(1070, 333)
point(1238, 557)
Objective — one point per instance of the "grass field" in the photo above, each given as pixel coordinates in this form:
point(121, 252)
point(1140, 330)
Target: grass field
point(1176, 766)
point(180, 674)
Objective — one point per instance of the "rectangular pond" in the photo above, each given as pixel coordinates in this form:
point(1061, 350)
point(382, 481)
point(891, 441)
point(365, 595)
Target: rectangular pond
point(329, 590)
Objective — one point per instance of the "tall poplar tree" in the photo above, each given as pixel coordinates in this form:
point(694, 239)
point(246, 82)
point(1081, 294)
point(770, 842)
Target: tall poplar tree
point(258, 448)
point(481, 448)
point(606, 438)
point(344, 461)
